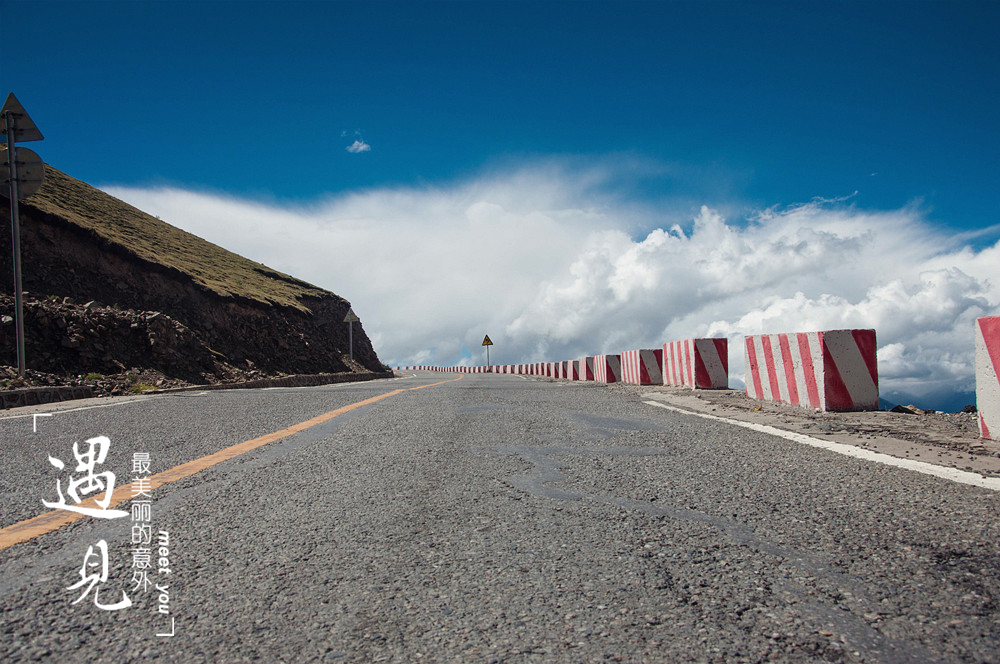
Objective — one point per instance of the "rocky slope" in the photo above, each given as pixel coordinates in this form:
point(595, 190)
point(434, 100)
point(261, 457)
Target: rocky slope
point(111, 288)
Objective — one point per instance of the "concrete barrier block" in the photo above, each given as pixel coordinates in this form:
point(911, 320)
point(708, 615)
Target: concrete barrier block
point(834, 370)
point(642, 367)
point(585, 368)
point(987, 381)
point(607, 368)
point(572, 370)
point(697, 363)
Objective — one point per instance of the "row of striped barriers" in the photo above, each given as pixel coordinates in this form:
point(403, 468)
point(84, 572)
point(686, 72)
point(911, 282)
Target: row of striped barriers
point(698, 363)
point(834, 370)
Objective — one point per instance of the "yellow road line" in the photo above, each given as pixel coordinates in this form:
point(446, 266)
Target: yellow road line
point(49, 521)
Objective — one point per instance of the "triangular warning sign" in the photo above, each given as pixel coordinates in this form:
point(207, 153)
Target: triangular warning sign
point(24, 127)
point(486, 341)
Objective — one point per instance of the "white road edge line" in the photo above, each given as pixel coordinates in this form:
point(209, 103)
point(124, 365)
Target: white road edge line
point(188, 394)
point(59, 411)
point(953, 474)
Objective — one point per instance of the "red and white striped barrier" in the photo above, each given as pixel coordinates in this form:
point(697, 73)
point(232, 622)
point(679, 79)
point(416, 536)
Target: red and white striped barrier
point(642, 367)
point(572, 371)
point(834, 370)
point(585, 368)
point(697, 363)
point(607, 368)
point(987, 380)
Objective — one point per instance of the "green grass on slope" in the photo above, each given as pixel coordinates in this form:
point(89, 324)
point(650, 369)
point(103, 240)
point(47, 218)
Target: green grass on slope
point(156, 241)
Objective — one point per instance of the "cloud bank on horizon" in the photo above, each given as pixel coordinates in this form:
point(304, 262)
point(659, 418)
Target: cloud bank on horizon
point(553, 267)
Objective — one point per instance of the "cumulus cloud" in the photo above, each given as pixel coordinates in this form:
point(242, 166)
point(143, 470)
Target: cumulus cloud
point(552, 267)
point(358, 146)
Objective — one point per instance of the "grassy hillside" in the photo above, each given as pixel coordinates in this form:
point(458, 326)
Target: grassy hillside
point(157, 241)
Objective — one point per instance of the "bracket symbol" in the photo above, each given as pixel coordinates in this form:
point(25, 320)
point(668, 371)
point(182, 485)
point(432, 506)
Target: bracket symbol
point(34, 420)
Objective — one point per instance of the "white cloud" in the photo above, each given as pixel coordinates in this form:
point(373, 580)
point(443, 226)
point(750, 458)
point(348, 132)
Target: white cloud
point(358, 146)
point(553, 268)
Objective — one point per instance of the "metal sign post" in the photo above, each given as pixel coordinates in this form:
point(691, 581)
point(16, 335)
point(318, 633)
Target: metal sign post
point(18, 127)
point(487, 343)
point(350, 319)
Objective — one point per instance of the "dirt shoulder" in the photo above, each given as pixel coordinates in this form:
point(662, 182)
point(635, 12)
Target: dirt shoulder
point(948, 439)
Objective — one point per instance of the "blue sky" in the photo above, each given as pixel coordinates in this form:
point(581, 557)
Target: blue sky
point(567, 177)
point(739, 103)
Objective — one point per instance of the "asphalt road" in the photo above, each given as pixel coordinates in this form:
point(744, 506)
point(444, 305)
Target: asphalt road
point(488, 519)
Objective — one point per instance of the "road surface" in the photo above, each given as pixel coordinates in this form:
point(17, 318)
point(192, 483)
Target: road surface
point(482, 518)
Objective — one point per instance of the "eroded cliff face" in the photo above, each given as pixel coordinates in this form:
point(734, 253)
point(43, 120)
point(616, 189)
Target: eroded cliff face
point(65, 338)
point(208, 329)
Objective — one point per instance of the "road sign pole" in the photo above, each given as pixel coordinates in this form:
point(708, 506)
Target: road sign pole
point(487, 343)
point(15, 224)
point(350, 319)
